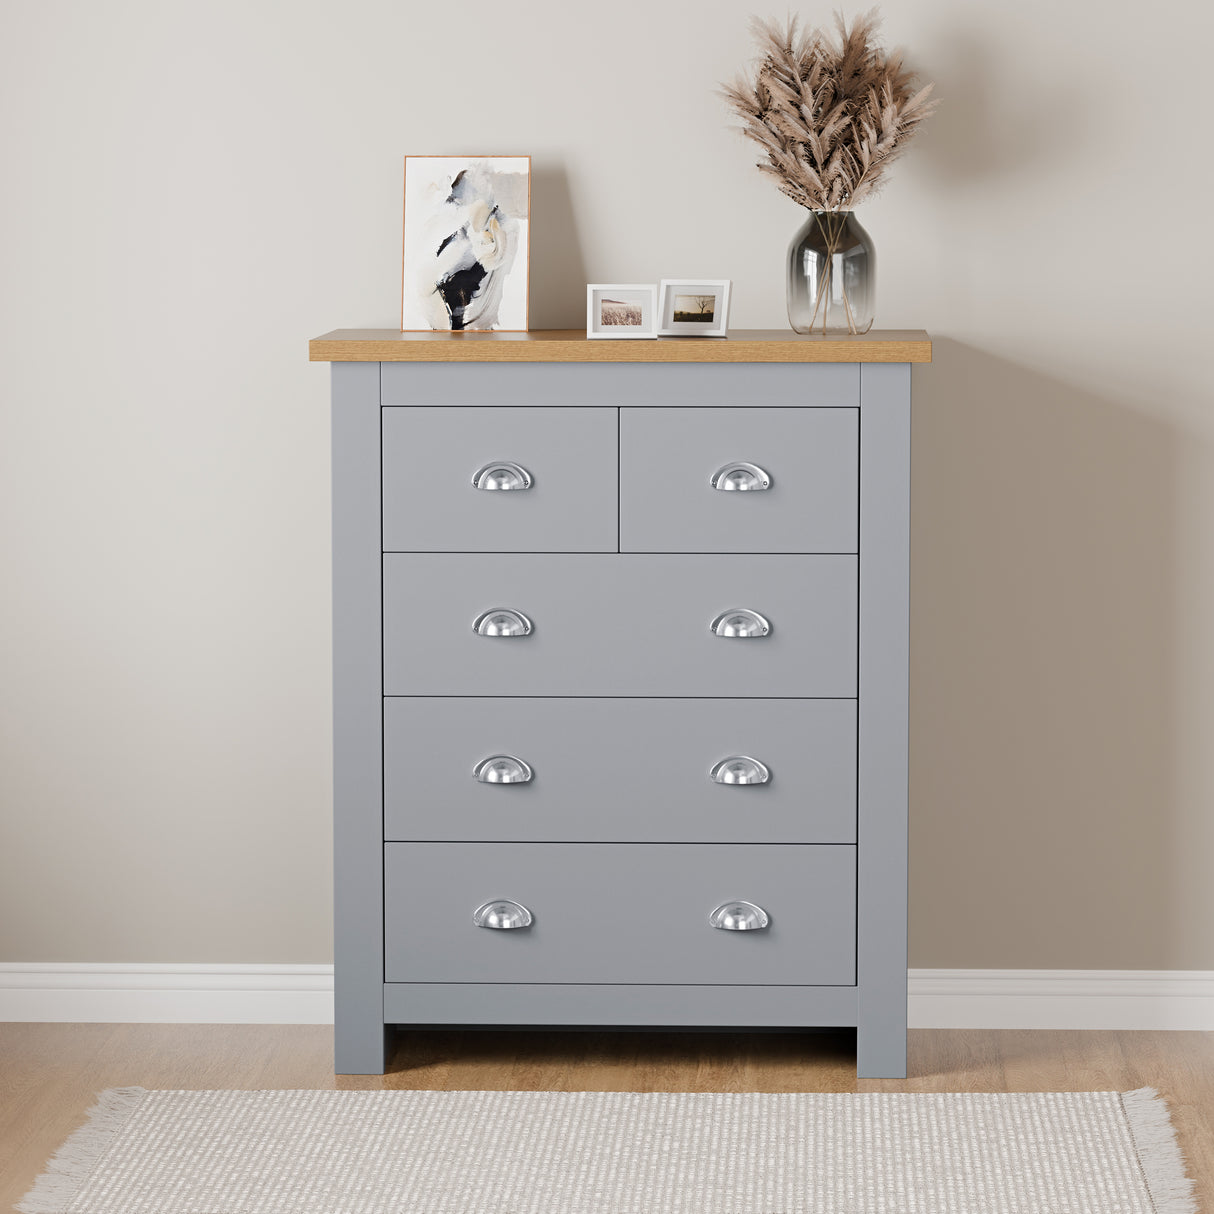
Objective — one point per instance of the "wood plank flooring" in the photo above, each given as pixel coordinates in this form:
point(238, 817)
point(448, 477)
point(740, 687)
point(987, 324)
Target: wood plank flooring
point(49, 1073)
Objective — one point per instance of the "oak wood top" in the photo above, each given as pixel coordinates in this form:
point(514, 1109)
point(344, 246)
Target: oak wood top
point(573, 346)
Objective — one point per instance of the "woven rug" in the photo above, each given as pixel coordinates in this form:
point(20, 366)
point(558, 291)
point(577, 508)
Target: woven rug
point(309, 1152)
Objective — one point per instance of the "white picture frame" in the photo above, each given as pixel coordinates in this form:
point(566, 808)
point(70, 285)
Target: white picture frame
point(710, 295)
point(610, 307)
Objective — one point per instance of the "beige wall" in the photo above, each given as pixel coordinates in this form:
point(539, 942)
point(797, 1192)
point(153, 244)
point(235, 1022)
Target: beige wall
point(193, 191)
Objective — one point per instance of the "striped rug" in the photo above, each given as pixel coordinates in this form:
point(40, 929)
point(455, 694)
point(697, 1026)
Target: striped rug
point(400, 1152)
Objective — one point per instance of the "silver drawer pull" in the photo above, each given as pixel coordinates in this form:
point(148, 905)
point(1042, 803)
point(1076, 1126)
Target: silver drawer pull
point(740, 476)
point(502, 769)
point(739, 622)
point(502, 475)
point(739, 917)
point(502, 915)
point(502, 622)
point(740, 769)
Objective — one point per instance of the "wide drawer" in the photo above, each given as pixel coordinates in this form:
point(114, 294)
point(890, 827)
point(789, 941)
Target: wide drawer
point(431, 457)
point(619, 770)
point(806, 500)
point(619, 913)
point(630, 625)
point(688, 385)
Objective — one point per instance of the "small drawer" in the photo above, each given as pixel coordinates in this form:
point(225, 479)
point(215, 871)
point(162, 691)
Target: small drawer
point(795, 480)
point(596, 770)
point(618, 625)
point(619, 913)
point(553, 473)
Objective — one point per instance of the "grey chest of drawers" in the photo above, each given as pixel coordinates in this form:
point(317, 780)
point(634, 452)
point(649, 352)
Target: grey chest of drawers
point(620, 683)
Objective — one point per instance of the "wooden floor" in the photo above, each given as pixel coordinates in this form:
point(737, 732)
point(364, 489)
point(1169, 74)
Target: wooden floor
point(49, 1073)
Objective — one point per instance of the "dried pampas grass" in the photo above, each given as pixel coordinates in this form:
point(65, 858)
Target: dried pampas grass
point(831, 113)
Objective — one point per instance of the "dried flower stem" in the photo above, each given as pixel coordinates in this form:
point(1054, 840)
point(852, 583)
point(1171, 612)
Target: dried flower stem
point(831, 239)
point(831, 113)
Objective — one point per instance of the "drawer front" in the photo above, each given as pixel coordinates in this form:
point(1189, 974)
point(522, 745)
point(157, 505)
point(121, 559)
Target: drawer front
point(687, 385)
point(619, 913)
point(431, 456)
point(620, 625)
point(668, 458)
point(619, 770)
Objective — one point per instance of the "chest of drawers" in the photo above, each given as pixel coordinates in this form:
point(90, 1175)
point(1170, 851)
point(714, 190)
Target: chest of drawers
point(620, 683)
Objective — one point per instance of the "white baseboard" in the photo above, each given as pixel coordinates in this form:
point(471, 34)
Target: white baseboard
point(1062, 999)
point(167, 994)
point(303, 994)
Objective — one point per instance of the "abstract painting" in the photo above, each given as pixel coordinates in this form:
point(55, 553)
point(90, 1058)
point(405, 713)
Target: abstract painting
point(466, 242)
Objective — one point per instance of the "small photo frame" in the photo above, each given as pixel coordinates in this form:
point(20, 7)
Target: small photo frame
point(694, 307)
point(616, 309)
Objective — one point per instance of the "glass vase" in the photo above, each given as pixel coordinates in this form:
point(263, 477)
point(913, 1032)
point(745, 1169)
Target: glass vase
point(832, 269)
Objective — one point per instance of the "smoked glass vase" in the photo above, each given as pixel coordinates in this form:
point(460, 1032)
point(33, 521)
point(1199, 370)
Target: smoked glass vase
point(832, 269)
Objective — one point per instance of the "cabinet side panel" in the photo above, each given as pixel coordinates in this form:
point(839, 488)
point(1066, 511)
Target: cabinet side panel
point(357, 722)
point(882, 745)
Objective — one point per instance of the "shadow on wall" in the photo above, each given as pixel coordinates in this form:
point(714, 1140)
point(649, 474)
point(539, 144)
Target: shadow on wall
point(989, 128)
point(1043, 807)
point(558, 269)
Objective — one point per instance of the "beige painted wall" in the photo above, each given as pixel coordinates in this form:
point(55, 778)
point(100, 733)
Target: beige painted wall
point(191, 191)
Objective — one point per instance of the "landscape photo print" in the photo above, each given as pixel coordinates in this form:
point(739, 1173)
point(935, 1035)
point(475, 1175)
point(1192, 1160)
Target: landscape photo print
point(694, 307)
point(621, 310)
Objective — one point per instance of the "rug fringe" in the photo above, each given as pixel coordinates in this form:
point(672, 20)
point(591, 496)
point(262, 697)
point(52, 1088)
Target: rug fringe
point(1158, 1152)
point(73, 1163)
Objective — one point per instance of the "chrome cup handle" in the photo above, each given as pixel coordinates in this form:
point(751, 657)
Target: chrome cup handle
point(740, 769)
point(502, 475)
point(739, 917)
point(740, 477)
point(502, 769)
point(742, 623)
point(501, 622)
point(502, 915)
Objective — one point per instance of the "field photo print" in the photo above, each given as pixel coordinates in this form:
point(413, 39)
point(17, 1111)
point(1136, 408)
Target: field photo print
point(621, 310)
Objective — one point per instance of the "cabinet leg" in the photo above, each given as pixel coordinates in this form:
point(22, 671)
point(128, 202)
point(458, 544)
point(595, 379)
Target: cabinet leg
point(361, 1053)
point(881, 1050)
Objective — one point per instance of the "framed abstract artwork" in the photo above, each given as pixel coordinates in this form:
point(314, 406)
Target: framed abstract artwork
point(466, 241)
